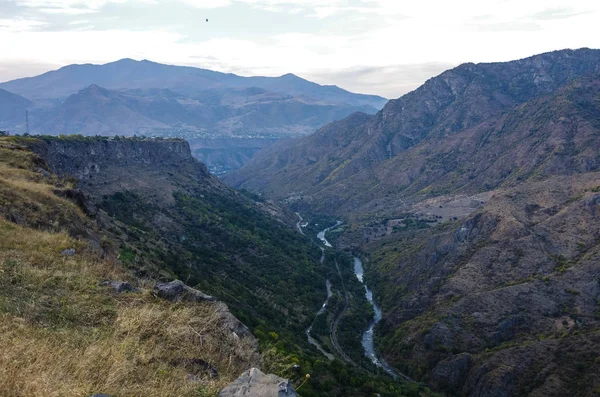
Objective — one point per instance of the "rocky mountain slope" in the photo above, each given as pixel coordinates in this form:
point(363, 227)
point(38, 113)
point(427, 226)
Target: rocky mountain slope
point(504, 302)
point(474, 200)
point(178, 221)
point(357, 163)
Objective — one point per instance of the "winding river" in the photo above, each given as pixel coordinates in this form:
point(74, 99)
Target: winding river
point(367, 339)
point(368, 336)
point(321, 234)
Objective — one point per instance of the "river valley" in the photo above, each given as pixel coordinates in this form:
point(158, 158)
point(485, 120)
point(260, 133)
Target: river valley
point(367, 339)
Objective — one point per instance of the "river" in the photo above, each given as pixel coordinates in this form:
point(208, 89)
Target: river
point(321, 234)
point(312, 340)
point(368, 340)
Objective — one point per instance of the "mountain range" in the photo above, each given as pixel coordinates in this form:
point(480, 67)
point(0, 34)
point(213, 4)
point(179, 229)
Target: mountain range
point(474, 200)
point(473, 203)
point(130, 97)
point(456, 133)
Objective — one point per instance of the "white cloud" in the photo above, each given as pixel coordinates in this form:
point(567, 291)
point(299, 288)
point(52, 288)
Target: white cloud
point(207, 3)
point(385, 37)
point(19, 25)
point(68, 7)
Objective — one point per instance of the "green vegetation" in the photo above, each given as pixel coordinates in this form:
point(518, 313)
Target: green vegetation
point(212, 238)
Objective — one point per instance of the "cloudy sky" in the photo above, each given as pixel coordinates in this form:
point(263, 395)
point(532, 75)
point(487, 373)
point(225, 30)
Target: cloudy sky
point(385, 47)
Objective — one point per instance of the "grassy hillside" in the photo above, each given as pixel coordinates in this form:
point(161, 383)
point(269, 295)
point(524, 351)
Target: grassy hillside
point(65, 334)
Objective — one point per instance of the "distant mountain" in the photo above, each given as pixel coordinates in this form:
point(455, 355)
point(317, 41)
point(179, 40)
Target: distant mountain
point(12, 109)
point(414, 143)
point(130, 97)
point(131, 74)
point(253, 112)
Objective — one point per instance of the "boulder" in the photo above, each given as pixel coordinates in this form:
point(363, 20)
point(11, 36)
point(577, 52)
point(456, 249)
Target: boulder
point(177, 291)
point(121, 286)
point(254, 383)
point(69, 252)
point(232, 323)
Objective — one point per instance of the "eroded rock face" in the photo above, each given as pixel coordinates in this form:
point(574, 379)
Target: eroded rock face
point(254, 383)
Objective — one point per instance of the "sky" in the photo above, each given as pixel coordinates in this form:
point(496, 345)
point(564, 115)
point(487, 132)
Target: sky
point(384, 47)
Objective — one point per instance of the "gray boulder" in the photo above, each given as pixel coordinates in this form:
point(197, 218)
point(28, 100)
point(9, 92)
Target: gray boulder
point(177, 291)
point(254, 383)
point(121, 286)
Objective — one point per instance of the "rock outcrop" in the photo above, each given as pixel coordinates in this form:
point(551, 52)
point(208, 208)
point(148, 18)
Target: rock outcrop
point(254, 383)
point(177, 290)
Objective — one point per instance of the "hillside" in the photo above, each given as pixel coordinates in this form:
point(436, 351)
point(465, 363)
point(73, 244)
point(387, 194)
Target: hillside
point(504, 302)
point(225, 114)
point(95, 231)
point(66, 330)
point(474, 200)
point(170, 218)
point(12, 109)
point(357, 163)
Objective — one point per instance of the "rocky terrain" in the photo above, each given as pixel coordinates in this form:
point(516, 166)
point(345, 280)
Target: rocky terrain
point(503, 301)
point(454, 134)
point(474, 200)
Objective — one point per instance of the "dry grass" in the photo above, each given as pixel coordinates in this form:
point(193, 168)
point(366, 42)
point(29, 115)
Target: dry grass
point(64, 334)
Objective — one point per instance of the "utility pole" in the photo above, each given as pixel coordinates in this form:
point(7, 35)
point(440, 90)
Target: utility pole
point(27, 122)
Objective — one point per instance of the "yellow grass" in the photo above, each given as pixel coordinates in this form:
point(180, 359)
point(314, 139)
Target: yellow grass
point(64, 333)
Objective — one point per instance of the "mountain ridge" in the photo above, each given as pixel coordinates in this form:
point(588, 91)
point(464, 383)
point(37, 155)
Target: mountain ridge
point(153, 99)
point(454, 101)
point(474, 200)
point(172, 76)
